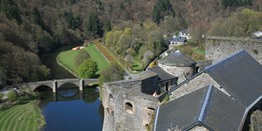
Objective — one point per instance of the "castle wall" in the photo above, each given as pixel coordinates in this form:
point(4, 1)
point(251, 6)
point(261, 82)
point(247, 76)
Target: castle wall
point(218, 48)
point(182, 73)
point(197, 83)
point(126, 107)
point(199, 128)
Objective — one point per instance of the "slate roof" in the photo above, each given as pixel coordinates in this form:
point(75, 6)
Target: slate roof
point(178, 39)
point(177, 59)
point(208, 107)
point(240, 75)
point(162, 75)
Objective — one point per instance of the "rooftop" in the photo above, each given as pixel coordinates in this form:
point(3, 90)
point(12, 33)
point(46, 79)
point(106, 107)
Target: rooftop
point(178, 39)
point(177, 59)
point(208, 107)
point(240, 75)
point(162, 75)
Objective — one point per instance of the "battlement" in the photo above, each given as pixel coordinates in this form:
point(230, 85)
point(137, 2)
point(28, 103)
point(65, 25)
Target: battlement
point(232, 39)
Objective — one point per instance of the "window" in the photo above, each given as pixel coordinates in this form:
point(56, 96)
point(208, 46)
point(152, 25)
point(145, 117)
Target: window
point(129, 107)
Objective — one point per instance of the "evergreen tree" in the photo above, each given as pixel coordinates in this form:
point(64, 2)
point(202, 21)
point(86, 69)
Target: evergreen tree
point(73, 22)
point(107, 26)
point(161, 9)
point(38, 19)
point(93, 26)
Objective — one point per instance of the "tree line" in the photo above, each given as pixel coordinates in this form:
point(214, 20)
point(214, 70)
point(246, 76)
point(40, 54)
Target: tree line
point(32, 27)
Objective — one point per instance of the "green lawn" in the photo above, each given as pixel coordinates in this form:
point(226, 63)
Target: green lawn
point(98, 57)
point(26, 117)
point(67, 58)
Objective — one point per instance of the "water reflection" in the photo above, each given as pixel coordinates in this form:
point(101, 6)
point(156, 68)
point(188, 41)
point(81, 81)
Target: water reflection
point(68, 90)
point(81, 111)
point(44, 92)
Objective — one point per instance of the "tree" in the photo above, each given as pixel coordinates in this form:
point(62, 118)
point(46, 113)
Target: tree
point(73, 22)
point(38, 19)
point(113, 72)
point(1, 96)
point(93, 26)
point(11, 95)
point(87, 69)
point(3, 76)
point(107, 26)
point(81, 56)
point(161, 9)
point(236, 3)
point(11, 10)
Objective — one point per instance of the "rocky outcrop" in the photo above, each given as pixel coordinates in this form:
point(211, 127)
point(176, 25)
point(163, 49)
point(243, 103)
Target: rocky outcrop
point(256, 121)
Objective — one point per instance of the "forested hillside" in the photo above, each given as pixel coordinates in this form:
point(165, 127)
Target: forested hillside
point(30, 27)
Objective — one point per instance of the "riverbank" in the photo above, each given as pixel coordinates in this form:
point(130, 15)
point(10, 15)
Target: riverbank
point(24, 117)
point(66, 59)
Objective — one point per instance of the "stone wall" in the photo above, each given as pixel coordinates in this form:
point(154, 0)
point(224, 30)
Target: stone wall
point(199, 128)
point(256, 121)
point(194, 84)
point(182, 73)
point(218, 48)
point(126, 107)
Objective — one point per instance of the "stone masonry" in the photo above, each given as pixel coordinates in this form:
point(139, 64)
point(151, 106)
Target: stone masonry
point(129, 105)
point(196, 83)
point(218, 48)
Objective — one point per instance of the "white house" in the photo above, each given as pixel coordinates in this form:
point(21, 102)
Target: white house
point(257, 34)
point(184, 33)
point(177, 41)
point(180, 39)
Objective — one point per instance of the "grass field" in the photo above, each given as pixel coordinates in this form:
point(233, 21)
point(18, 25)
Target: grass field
point(97, 56)
point(67, 58)
point(26, 117)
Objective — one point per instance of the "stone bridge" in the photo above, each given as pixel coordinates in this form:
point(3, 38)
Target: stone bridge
point(55, 84)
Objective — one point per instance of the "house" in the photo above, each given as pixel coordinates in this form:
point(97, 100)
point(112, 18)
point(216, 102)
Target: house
point(182, 38)
point(184, 33)
point(178, 64)
point(177, 41)
point(257, 34)
point(165, 80)
point(217, 98)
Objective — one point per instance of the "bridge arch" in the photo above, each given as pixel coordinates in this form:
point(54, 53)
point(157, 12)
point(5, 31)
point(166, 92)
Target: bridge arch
point(68, 83)
point(43, 85)
point(55, 84)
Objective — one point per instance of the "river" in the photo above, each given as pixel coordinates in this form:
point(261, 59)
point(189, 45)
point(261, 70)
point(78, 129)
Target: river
point(69, 109)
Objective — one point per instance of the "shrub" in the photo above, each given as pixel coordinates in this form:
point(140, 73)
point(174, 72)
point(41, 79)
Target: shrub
point(112, 73)
point(1, 96)
point(255, 51)
point(197, 56)
point(88, 69)
point(11, 95)
point(187, 50)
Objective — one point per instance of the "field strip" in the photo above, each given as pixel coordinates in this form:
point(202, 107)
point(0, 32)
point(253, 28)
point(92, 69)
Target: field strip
point(18, 121)
point(7, 114)
point(12, 117)
point(22, 119)
point(102, 54)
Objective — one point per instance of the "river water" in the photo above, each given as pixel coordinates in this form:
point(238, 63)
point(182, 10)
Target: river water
point(69, 109)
